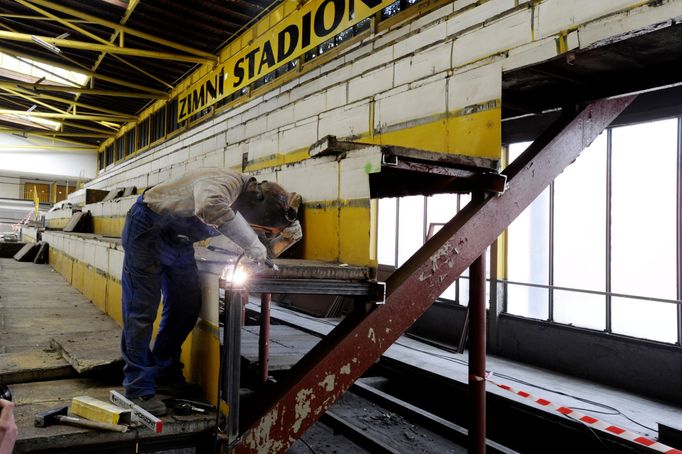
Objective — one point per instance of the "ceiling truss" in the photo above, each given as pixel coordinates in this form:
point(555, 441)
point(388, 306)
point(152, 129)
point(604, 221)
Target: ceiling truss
point(86, 40)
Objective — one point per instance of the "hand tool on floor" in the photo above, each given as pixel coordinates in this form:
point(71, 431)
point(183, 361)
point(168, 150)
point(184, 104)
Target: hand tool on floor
point(139, 413)
point(5, 393)
point(184, 407)
point(59, 416)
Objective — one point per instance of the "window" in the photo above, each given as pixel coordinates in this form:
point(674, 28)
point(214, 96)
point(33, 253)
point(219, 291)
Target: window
point(643, 261)
point(172, 117)
point(42, 189)
point(528, 261)
point(580, 239)
point(599, 248)
point(405, 223)
point(129, 142)
point(158, 122)
point(110, 154)
point(63, 191)
point(120, 147)
point(143, 133)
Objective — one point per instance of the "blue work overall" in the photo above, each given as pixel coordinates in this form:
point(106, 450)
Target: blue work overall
point(159, 260)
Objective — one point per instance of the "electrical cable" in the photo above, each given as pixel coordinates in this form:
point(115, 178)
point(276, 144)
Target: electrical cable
point(611, 410)
point(223, 360)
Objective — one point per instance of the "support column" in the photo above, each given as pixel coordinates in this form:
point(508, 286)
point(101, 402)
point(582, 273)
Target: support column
point(264, 336)
point(477, 339)
point(232, 329)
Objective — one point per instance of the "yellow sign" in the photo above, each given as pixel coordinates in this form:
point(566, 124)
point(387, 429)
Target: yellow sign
point(312, 24)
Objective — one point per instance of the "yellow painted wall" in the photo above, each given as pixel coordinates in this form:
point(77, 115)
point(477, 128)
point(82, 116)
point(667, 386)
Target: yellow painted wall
point(475, 134)
point(108, 225)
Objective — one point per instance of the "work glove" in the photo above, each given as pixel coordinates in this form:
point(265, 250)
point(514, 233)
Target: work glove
point(293, 232)
point(241, 233)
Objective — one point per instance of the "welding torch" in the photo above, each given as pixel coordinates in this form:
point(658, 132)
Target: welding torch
point(268, 262)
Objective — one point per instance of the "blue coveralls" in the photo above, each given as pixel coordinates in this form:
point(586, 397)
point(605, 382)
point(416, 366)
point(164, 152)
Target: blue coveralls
point(159, 259)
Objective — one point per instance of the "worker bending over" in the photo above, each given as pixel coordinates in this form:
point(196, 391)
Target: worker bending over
point(158, 238)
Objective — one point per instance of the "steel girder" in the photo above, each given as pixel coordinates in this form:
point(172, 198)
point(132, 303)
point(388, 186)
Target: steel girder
point(331, 367)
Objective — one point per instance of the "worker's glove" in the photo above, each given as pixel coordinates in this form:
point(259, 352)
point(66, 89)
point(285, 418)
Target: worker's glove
point(293, 232)
point(239, 231)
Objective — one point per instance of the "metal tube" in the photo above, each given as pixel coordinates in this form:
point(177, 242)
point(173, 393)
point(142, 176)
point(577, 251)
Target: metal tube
point(550, 277)
point(232, 329)
point(609, 187)
point(477, 340)
point(245, 301)
point(679, 229)
point(264, 336)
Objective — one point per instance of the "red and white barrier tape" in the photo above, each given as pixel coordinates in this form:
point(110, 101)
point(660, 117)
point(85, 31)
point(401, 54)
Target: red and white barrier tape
point(590, 421)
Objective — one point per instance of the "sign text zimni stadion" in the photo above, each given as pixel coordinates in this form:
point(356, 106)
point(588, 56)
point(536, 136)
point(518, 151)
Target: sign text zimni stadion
point(312, 24)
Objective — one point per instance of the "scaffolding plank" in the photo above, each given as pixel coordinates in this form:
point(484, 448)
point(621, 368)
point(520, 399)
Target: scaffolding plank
point(33, 366)
point(91, 350)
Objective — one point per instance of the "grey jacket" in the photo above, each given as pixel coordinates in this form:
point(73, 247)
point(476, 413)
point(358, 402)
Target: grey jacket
point(207, 193)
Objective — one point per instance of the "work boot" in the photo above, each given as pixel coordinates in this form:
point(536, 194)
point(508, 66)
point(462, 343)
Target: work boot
point(151, 403)
point(179, 389)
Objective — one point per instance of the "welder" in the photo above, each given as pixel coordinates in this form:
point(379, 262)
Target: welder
point(158, 237)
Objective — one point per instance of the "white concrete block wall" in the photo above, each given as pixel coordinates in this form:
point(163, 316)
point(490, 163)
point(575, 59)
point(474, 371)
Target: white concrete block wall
point(115, 265)
point(505, 33)
point(348, 121)
point(102, 256)
point(420, 55)
point(319, 173)
point(557, 15)
point(354, 183)
point(472, 87)
point(404, 104)
point(300, 135)
point(594, 32)
point(310, 106)
point(373, 82)
point(423, 64)
point(89, 252)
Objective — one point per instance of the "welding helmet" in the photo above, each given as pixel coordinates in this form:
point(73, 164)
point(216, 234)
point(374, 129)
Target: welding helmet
point(267, 205)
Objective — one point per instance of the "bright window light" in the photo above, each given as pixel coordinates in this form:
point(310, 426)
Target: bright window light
point(27, 70)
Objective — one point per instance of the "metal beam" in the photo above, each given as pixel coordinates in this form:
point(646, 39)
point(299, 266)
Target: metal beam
point(37, 88)
point(70, 116)
point(80, 69)
point(30, 17)
point(477, 341)
point(70, 102)
point(81, 45)
point(82, 31)
point(332, 366)
point(45, 147)
point(88, 128)
point(121, 28)
point(33, 100)
point(50, 134)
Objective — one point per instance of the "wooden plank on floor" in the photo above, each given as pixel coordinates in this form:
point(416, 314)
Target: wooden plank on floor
point(33, 366)
point(89, 351)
